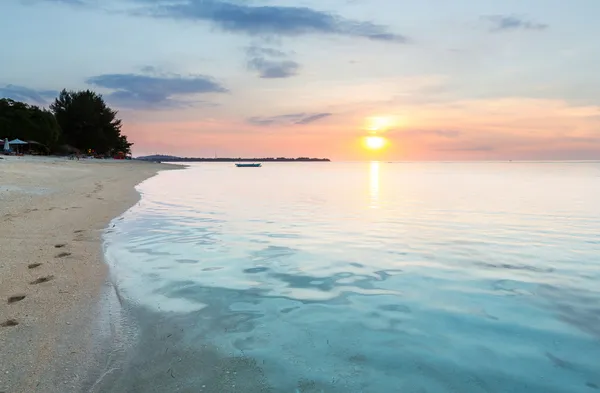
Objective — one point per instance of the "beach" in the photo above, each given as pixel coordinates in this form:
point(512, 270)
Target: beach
point(342, 277)
point(54, 212)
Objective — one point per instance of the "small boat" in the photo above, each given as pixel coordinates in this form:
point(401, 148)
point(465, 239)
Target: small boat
point(248, 165)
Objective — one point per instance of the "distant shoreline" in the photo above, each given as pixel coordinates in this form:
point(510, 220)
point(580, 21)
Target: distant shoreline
point(159, 158)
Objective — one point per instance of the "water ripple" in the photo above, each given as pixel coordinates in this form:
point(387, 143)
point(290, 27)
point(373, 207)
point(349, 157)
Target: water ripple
point(371, 278)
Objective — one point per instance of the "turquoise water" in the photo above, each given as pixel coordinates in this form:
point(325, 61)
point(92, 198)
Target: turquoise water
point(361, 277)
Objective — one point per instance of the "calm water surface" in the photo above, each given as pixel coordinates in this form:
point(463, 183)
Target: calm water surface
point(361, 277)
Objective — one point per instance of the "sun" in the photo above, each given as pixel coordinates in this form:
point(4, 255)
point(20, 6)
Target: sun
point(375, 142)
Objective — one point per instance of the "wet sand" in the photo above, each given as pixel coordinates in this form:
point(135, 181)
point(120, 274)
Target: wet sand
point(53, 212)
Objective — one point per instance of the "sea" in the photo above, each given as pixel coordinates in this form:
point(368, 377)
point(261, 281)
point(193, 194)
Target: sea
point(358, 277)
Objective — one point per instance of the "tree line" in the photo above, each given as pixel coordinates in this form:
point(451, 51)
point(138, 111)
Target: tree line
point(78, 120)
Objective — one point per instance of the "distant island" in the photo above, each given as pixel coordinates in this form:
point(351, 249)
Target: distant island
point(167, 158)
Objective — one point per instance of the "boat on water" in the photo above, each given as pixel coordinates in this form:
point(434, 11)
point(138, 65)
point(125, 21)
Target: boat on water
point(248, 165)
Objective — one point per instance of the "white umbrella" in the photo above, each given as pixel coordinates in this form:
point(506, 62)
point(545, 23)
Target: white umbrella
point(6, 145)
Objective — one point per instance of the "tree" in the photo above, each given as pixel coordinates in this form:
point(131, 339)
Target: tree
point(28, 122)
point(88, 123)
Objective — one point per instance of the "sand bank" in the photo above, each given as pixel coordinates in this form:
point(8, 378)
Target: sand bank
point(52, 215)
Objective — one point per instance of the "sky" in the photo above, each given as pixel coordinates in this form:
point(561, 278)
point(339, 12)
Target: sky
point(438, 79)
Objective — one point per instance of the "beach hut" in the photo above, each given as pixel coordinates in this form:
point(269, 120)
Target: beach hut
point(35, 147)
point(17, 142)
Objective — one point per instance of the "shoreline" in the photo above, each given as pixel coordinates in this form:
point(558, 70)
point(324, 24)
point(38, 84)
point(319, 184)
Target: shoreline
point(52, 271)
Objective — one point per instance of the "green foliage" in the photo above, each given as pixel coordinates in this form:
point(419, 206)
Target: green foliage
point(28, 122)
point(80, 119)
point(88, 123)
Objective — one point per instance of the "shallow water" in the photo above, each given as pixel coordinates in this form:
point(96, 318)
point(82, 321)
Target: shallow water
point(362, 277)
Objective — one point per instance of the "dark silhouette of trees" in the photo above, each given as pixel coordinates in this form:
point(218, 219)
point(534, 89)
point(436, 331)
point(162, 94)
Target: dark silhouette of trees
point(80, 119)
point(28, 122)
point(88, 123)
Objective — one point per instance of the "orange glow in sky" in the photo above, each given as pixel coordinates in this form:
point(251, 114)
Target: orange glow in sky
point(377, 124)
point(482, 129)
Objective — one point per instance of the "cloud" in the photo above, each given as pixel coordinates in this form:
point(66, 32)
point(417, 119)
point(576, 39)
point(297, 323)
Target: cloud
point(271, 63)
point(72, 2)
point(259, 51)
point(477, 148)
point(291, 119)
point(266, 20)
point(68, 2)
point(149, 69)
point(25, 94)
point(269, 69)
point(511, 22)
point(154, 91)
point(313, 118)
point(424, 133)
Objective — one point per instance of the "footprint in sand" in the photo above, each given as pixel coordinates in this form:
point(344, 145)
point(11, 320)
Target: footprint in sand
point(33, 265)
point(9, 323)
point(16, 298)
point(80, 235)
point(42, 280)
point(59, 245)
point(62, 255)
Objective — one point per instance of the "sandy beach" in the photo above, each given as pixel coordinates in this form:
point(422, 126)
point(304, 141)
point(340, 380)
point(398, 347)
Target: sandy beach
point(53, 214)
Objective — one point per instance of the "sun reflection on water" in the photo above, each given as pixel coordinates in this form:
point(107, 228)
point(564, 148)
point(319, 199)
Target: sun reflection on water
point(374, 185)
